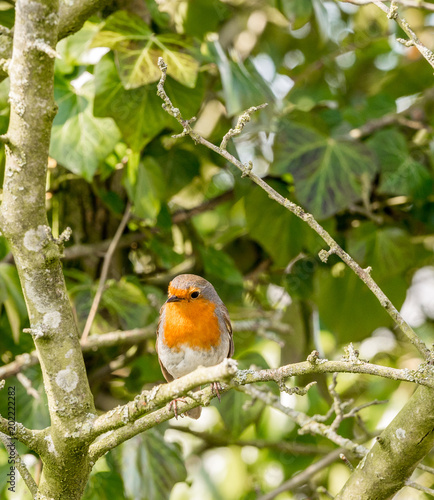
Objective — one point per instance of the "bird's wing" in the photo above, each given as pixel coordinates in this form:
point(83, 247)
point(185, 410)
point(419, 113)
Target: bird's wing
point(229, 330)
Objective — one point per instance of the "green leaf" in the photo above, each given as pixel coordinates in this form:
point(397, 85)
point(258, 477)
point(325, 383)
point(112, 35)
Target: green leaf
point(79, 141)
point(204, 16)
point(127, 300)
point(105, 485)
point(119, 27)
point(137, 50)
point(281, 233)
point(299, 282)
point(238, 413)
point(138, 112)
point(12, 297)
point(219, 264)
point(74, 49)
point(329, 174)
point(145, 186)
point(242, 85)
point(151, 466)
point(400, 173)
point(298, 12)
point(388, 251)
point(180, 167)
point(348, 308)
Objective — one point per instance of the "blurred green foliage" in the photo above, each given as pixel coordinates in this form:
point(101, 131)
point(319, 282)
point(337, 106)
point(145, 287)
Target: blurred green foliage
point(330, 139)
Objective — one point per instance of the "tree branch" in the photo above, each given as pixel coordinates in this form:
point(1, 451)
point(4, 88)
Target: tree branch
point(418, 4)
point(104, 273)
point(392, 13)
point(73, 15)
point(363, 274)
point(19, 464)
point(37, 254)
point(127, 420)
point(396, 453)
point(33, 439)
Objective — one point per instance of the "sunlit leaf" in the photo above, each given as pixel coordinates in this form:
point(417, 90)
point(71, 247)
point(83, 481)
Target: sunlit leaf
point(137, 51)
point(79, 141)
point(121, 26)
point(242, 85)
point(138, 112)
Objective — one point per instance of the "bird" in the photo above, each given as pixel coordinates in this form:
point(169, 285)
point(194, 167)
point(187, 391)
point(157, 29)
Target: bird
point(193, 330)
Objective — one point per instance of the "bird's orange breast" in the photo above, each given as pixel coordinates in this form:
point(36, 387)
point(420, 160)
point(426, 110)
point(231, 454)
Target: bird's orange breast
point(192, 323)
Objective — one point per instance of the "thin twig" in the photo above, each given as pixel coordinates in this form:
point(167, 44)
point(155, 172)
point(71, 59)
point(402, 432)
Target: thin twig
point(243, 119)
point(304, 476)
point(419, 4)
point(27, 384)
point(417, 486)
point(246, 170)
point(104, 273)
point(19, 464)
point(426, 468)
point(392, 13)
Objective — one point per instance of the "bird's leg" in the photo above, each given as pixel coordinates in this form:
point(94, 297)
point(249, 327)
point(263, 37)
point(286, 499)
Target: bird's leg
point(174, 405)
point(216, 388)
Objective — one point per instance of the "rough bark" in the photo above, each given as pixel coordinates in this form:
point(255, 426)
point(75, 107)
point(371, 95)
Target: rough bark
point(37, 254)
point(397, 452)
point(73, 15)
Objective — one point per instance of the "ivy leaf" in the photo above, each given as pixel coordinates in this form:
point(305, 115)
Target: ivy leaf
point(234, 413)
point(104, 485)
point(221, 265)
point(387, 250)
point(341, 290)
point(400, 173)
point(79, 141)
point(269, 223)
point(243, 86)
point(120, 27)
point(329, 174)
point(138, 112)
point(145, 186)
point(151, 466)
point(137, 50)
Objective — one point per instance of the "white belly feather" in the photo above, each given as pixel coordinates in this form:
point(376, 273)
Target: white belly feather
point(187, 359)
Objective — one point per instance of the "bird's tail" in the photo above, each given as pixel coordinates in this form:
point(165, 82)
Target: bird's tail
point(194, 412)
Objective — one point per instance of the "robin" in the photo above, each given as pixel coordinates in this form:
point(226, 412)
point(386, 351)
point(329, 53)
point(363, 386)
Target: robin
point(194, 330)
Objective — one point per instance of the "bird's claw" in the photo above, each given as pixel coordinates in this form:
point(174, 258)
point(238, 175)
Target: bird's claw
point(174, 405)
point(216, 388)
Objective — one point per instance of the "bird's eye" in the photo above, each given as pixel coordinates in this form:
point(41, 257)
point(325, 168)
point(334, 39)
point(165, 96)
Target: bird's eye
point(194, 295)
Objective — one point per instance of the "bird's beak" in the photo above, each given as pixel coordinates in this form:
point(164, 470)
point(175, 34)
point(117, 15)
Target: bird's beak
point(173, 298)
